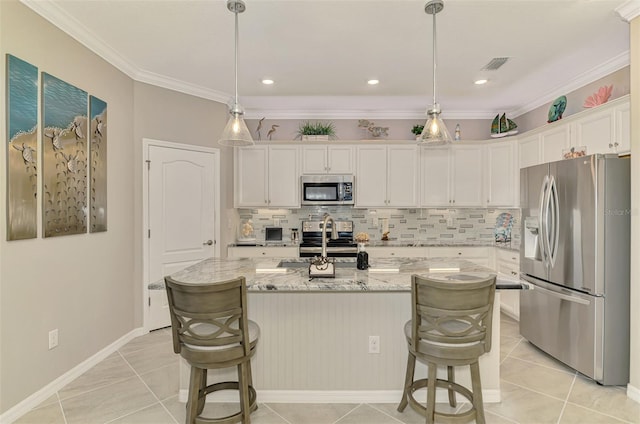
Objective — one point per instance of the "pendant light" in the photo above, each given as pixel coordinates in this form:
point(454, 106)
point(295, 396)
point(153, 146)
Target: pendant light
point(236, 132)
point(435, 132)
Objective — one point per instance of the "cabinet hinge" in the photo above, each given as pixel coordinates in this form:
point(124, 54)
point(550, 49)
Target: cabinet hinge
point(149, 233)
point(149, 300)
point(148, 164)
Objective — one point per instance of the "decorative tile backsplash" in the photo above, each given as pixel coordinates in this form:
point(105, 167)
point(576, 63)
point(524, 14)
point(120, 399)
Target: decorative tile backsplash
point(469, 226)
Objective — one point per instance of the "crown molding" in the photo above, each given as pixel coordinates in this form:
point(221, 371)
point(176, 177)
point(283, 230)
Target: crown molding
point(629, 10)
point(581, 80)
point(182, 86)
point(78, 31)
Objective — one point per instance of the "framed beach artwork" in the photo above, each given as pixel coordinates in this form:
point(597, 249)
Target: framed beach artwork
point(64, 149)
point(22, 136)
point(98, 165)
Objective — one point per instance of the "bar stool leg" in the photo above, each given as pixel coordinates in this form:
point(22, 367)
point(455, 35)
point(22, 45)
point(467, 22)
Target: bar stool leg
point(408, 380)
point(477, 392)
point(243, 379)
point(431, 392)
point(195, 382)
point(451, 379)
point(202, 397)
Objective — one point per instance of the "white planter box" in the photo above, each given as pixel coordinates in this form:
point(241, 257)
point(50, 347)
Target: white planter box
point(315, 138)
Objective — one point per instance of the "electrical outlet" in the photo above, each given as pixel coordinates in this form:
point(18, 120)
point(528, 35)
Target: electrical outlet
point(53, 338)
point(374, 344)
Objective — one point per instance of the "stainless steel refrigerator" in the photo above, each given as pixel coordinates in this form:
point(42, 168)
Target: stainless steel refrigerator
point(575, 253)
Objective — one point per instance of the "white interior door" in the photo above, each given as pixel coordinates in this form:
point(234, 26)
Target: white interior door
point(181, 216)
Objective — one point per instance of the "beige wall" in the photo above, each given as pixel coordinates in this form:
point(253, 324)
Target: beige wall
point(80, 284)
point(575, 99)
point(634, 373)
point(88, 286)
point(167, 115)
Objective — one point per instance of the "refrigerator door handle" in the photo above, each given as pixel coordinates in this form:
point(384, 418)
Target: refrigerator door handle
point(544, 220)
point(567, 297)
point(554, 231)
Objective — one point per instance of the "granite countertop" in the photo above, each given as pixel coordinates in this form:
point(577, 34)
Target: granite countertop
point(396, 243)
point(385, 274)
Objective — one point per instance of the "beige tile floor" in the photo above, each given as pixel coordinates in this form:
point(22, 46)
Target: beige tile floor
point(139, 385)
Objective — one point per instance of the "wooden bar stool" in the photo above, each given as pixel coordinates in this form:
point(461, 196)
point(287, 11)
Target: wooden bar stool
point(450, 326)
point(211, 331)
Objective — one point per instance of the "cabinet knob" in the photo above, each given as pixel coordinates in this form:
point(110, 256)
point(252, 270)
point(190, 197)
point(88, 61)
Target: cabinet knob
point(514, 273)
point(610, 145)
point(454, 201)
point(264, 253)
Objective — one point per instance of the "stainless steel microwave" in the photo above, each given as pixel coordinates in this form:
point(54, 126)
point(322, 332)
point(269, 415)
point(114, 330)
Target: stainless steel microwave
point(327, 189)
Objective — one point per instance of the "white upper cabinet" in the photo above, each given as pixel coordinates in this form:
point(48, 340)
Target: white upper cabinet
point(602, 129)
point(466, 175)
point(529, 151)
point(595, 131)
point(387, 176)
point(452, 176)
point(267, 176)
point(554, 141)
point(435, 168)
point(327, 159)
point(502, 174)
point(622, 138)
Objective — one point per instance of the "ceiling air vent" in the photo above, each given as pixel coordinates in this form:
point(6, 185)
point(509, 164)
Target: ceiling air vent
point(495, 63)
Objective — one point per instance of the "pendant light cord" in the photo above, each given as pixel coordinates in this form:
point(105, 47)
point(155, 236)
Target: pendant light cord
point(235, 106)
point(434, 59)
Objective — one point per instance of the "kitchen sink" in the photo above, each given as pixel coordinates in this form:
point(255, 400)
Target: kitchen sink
point(305, 264)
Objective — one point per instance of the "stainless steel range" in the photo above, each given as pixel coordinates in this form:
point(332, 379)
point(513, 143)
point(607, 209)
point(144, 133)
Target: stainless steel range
point(343, 246)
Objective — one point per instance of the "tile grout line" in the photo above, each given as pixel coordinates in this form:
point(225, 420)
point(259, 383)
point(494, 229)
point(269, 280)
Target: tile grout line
point(566, 399)
point(532, 390)
point(384, 413)
point(150, 391)
point(272, 410)
point(64, 416)
point(356, 407)
point(572, 372)
point(511, 351)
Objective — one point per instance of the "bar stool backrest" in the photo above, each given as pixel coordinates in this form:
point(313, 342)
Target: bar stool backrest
point(451, 320)
point(209, 321)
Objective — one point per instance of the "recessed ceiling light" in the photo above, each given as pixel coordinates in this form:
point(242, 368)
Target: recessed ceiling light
point(373, 82)
point(267, 81)
point(480, 81)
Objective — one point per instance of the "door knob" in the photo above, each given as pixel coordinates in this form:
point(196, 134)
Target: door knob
point(208, 243)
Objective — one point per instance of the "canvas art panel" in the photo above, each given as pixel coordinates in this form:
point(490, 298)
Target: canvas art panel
point(98, 168)
point(22, 136)
point(64, 149)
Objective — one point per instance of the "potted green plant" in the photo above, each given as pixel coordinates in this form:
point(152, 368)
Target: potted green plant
point(417, 130)
point(318, 131)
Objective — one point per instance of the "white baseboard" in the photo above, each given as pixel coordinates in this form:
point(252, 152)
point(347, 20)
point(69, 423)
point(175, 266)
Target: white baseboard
point(50, 389)
point(633, 393)
point(334, 396)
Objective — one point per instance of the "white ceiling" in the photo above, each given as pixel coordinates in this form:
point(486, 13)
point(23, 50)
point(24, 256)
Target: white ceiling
point(321, 52)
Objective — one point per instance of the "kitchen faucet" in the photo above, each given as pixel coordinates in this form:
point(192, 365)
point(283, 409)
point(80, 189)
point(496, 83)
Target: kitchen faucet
point(334, 233)
point(321, 266)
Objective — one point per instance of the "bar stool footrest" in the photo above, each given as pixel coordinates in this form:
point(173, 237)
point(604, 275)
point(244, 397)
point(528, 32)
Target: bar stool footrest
point(444, 384)
point(235, 418)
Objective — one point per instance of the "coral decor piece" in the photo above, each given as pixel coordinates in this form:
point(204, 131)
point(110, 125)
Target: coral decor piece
point(599, 97)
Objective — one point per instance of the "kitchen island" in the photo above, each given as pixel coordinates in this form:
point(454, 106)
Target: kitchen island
point(314, 343)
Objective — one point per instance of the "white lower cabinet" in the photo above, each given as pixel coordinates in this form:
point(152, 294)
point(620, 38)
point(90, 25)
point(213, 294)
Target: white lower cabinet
point(508, 262)
point(476, 254)
point(396, 252)
point(262, 252)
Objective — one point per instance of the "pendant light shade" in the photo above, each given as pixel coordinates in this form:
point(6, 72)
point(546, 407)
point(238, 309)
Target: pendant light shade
point(435, 132)
point(236, 132)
